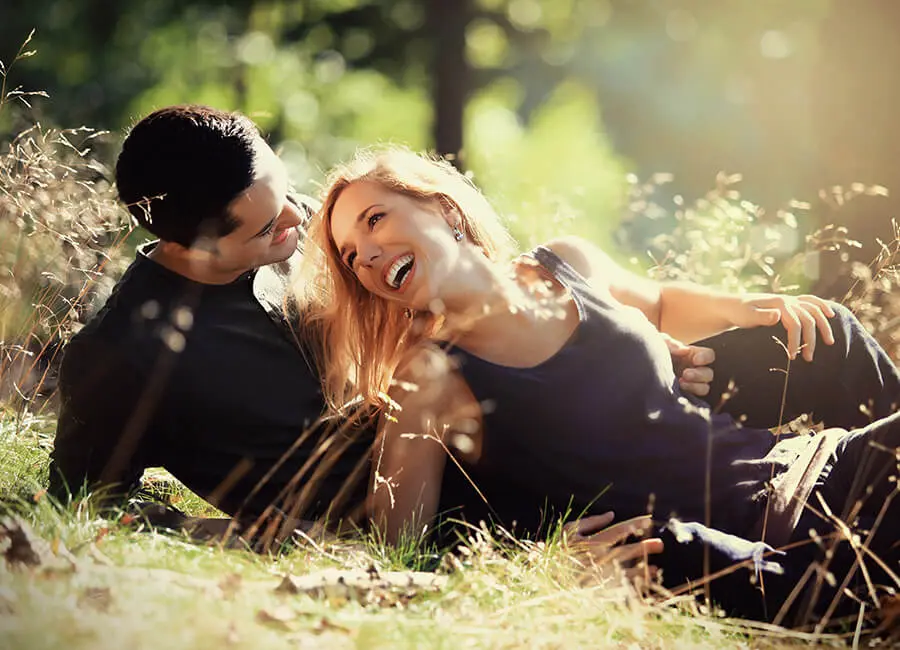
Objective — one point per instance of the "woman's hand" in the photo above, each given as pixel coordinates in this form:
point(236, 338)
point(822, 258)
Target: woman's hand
point(800, 315)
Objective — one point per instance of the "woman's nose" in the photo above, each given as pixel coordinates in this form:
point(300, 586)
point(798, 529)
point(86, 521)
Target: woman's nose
point(368, 253)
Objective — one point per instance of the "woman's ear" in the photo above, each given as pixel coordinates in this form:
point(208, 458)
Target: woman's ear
point(449, 210)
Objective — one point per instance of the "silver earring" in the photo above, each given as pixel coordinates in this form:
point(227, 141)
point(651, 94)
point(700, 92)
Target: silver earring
point(457, 233)
point(408, 313)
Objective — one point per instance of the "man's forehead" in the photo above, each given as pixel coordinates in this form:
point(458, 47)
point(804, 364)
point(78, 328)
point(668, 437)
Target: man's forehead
point(267, 164)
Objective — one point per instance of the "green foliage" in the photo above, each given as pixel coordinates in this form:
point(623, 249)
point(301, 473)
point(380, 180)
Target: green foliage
point(556, 176)
point(722, 239)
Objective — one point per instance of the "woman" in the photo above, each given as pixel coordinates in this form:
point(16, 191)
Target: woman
point(549, 375)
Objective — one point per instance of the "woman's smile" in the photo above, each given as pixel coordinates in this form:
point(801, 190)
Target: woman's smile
point(399, 272)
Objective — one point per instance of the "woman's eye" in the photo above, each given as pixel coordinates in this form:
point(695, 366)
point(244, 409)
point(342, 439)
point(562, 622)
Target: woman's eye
point(375, 218)
point(350, 259)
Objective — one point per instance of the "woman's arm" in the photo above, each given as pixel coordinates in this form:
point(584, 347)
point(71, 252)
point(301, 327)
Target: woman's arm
point(690, 312)
point(410, 451)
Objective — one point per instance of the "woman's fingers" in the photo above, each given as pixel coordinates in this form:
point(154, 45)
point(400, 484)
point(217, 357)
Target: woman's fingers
point(807, 333)
point(793, 326)
point(818, 302)
point(821, 311)
point(804, 319)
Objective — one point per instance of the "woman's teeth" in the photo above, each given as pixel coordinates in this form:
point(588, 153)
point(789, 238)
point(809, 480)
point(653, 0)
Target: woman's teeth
point(399, 270)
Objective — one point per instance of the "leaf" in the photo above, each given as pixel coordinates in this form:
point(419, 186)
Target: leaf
point(232, 637)
point(280, 616)
point(230, 585)
point(324, 625)
point(97, 598)
point(370, 587)
point(287, 586)
point(20, 545)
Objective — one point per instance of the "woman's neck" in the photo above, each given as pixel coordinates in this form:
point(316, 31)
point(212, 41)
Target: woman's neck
point(490, 296)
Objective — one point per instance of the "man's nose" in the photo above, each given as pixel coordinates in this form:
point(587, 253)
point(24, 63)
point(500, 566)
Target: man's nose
point(290, 216)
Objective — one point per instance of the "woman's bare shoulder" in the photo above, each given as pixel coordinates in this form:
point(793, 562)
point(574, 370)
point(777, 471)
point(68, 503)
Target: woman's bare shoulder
point(583, 256)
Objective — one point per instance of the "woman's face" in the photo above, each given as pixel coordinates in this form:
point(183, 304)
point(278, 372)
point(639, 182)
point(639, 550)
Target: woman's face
point(399, 248)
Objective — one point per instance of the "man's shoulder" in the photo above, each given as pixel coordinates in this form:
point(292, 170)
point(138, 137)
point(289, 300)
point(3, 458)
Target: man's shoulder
point(137, 297)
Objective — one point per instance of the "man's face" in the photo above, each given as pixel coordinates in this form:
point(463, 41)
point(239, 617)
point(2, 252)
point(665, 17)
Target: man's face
point(268, 220)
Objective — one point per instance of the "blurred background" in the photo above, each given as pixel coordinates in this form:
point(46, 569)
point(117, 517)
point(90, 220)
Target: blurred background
point(560, 108)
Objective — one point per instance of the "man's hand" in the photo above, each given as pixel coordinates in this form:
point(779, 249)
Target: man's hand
point(594, 539)
point(691, 364)
point(800, 315)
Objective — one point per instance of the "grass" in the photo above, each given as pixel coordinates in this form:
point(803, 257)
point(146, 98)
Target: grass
point(106, 584)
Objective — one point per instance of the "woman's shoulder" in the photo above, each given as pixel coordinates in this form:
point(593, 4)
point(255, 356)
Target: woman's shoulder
point(582, 255)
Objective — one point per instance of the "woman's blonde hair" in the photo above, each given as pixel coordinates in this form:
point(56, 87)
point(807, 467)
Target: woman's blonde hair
point(363, 338)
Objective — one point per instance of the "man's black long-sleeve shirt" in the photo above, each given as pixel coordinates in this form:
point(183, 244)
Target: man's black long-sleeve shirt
point(207, 381)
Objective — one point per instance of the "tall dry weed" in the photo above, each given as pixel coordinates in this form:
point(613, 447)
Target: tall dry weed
point(61, 231)
point(727, 241)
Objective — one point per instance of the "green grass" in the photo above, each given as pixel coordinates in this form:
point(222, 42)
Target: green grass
point(129, 586)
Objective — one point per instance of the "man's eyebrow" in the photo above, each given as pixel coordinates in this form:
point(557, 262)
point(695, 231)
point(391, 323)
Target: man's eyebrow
point(359, 217)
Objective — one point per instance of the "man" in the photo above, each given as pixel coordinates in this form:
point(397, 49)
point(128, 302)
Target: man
point(194, 363)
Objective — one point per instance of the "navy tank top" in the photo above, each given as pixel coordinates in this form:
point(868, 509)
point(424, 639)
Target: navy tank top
point(602, 425)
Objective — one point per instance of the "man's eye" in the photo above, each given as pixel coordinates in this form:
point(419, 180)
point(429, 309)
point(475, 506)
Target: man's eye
point(375, 218)
point(350, 259)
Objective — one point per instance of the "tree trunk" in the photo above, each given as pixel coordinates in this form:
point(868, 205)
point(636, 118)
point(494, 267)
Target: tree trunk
point(451, 76)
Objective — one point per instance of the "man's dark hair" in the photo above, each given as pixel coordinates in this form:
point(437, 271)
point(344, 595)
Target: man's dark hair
point(181, 166)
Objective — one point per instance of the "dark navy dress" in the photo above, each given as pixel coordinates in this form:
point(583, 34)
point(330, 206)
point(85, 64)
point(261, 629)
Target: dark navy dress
point(602, 425)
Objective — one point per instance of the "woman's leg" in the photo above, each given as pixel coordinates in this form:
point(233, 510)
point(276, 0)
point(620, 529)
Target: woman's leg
point(848, 384)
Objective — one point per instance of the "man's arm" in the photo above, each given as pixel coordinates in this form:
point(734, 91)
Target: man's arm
point(104, 425)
